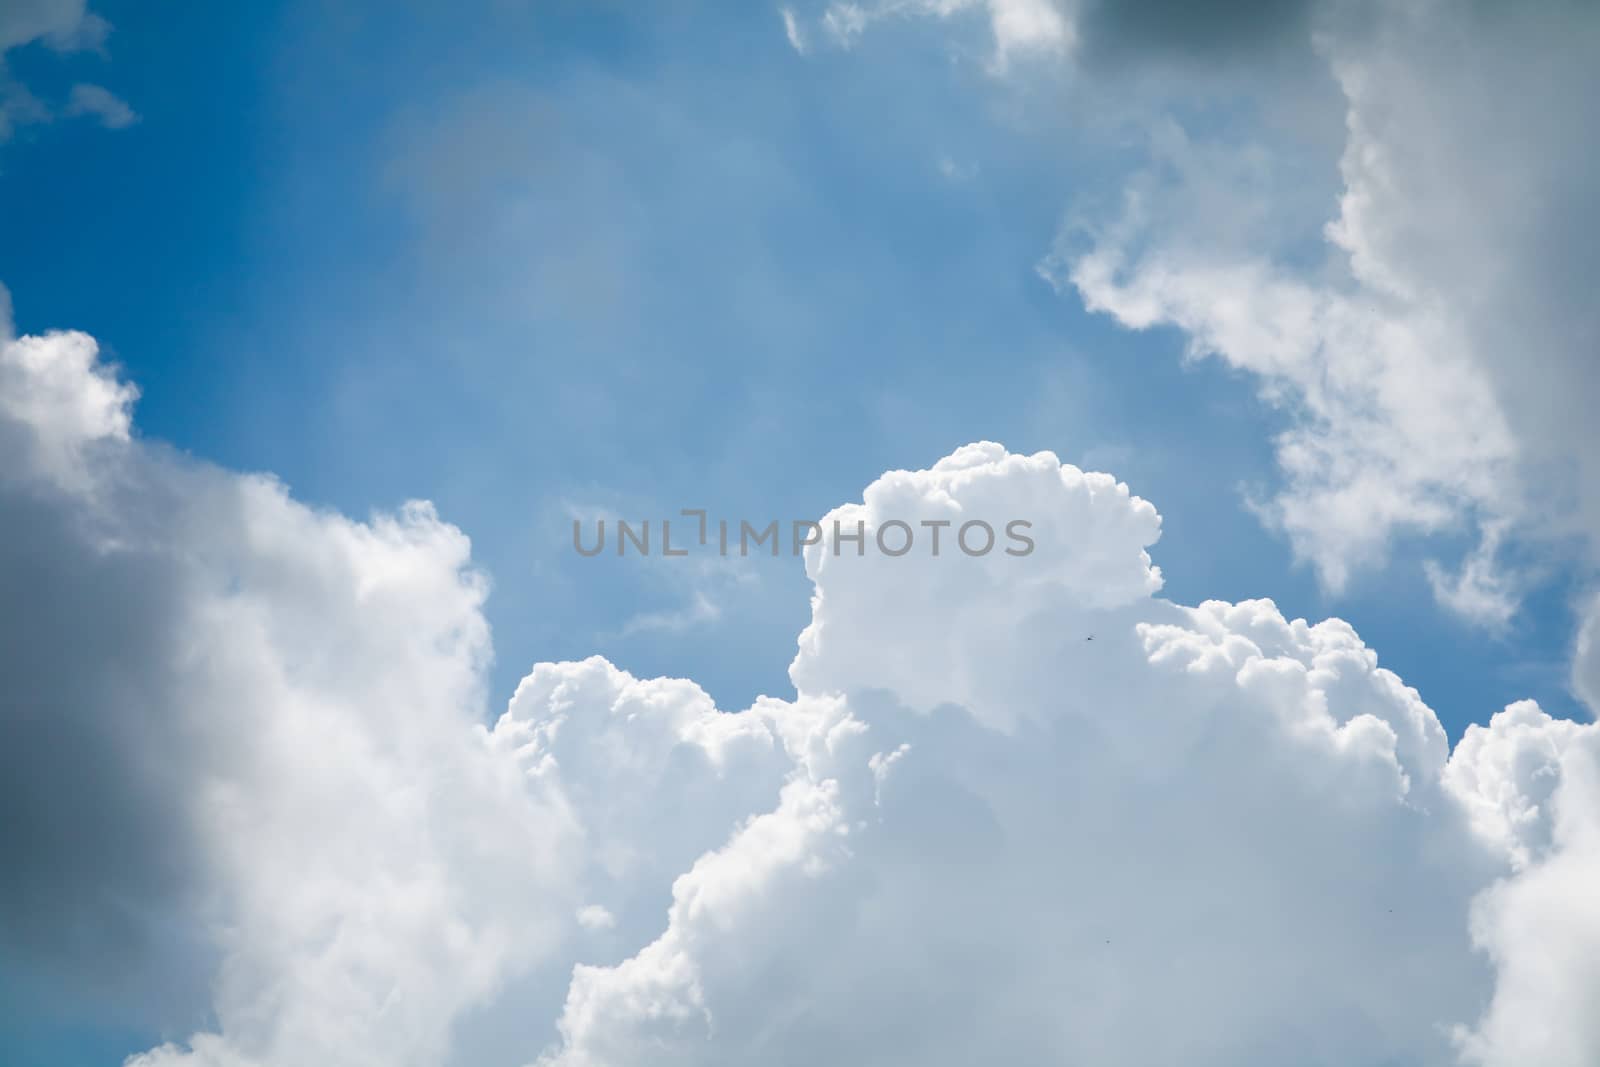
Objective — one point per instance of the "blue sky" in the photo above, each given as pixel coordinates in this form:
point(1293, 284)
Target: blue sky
point(644, 262)
point(531, 261)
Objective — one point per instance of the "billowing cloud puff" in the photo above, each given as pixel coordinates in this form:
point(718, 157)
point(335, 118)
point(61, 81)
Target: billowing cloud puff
point(1007, 842)
point(233, 717)
point(1536, 782)
point(1021, 810)
point(879, 621)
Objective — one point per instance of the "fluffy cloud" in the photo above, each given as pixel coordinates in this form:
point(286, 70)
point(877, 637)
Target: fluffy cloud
point(1006, 842)
point(232, 716)
point(1020, 808)
point(1535, 782)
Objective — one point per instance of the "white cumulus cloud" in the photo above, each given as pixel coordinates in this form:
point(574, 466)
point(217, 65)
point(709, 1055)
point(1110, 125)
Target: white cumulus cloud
point(1022, 809)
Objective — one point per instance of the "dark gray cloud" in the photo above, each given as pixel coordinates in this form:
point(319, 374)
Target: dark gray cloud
point(1113, 31)
point(93, 761)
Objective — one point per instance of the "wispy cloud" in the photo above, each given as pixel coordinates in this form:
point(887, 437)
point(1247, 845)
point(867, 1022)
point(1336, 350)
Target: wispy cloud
point(95, 102)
